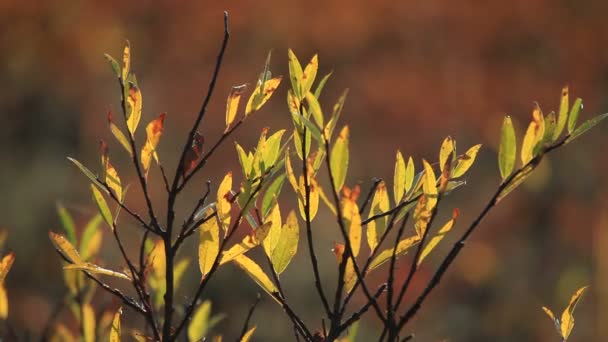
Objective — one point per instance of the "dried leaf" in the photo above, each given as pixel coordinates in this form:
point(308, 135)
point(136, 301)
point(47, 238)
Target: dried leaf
point(134, 99)
point(194, 154)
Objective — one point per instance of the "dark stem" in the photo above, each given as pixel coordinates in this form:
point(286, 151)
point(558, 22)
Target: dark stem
point(249, 315)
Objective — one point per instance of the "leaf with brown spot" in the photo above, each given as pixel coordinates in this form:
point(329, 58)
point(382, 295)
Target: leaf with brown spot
point(134, 99)
point(154, 130)
point(232, 104)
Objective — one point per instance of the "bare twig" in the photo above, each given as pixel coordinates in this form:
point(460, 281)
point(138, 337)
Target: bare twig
point(249, 315)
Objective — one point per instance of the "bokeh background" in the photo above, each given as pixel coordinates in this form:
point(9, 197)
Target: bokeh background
point(417, 72)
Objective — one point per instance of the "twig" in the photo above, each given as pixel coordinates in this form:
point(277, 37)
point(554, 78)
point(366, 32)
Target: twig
point(357, 315)
point(370, 194)
point(249, 314)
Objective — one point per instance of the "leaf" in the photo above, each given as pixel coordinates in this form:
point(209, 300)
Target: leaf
point(256, 273)
point(429, 185)
point(409, 175)
point(550, 126)
point(224, 193)
point(104, 210)
point(335, 116)
point(92, 268)
point(114, 64)
point(88, 323)
point(446, 151)
point(339, 158)
point(321, 85)
point(248, 242)
point(573, 117)
point(465, 161)
point(134, 99)
point(309, 74)
point(352, 221)
point(295, 73)
point(65, 248)
point(5, 266)
point(380, 204)
point(109, 174)
point(270, 154)
point(117, 133)
point(315, 108)
point(350, 275)
point(247, 336)
point(567, 319)
point(126, 60)
point(199, 326)
point(3, 303)
point(399, 178)
point(287, 245)
point(585, 126)
point(209, 243)
point(562, 117)
point(310, 128)
point(516, 181)
point(90, 242)
point(440, 235)
point(261, 94)
point(67, 222)
point(115, 330)
point(297, 142)
point(244, 159)
point(154, 130)
point(402, 248)
point(272, 193)
point(194, 154)
point(179, 271)
point(88, 173)
point(534, 135)
point(313, 197)
point(232, 104)
point(508, 148)
point(274, 232)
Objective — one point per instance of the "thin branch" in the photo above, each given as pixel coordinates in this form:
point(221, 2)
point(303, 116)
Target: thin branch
point(165, 180)
point(125, 208)
point(357, 315)
point(391, 274)
point(370, 194)
point(249, 315)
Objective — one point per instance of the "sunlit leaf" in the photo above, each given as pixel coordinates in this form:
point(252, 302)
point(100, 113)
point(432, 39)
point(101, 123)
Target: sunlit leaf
point(429, 185)
point(67, 222)
point(380, 204)
point(247, 336)
point(440, 235)
point(295, 73)
point(517, 180)
point(260, 96)
point(156, 278)
point(567, 319)
point(335, 116)
point(92, 268)
point(399, 178)
point(274, 232)
point(552, 317)
point(134, 99)
point(290, 173)
point(287, 244)
point(3, 303)
point(223, 201)
point(507, 150)
point(114, 64)
point(574, 112)
point(402, 248)
point(115, 331)
point(88, 322)
point(126, 61)
point(534, 135)
point(88, 173)
point(321, 85)
point(297, 142)
point(248, 242)
point(117, 133)
point(315, 108)
point(256, 273)
point(65, 248)
point(562, 117)
point(310, 128)
point(272, 193)
point(273, 146)
point(209, 243)
point(199, 325)
point(309, 74)
point(350, 275)
point(446, 151)
point(104, 210)
point(109, 174)
point(585, 126)
point(179, 270)
point(352, 221)
point(550, 126)
point(313, 198)
point(154, 130)
point(5, 266)
point(339, 158)
point(465, 161)
point(232, 104)
point(90, 242)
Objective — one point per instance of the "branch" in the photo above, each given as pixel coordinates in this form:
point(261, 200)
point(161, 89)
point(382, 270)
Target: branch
point(249, 314)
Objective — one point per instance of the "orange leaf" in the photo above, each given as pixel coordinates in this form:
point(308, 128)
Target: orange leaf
point(109, 174)
point(193, 154)
point(153, 131)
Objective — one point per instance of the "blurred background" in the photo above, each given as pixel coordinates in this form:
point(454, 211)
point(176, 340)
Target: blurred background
point(417, 72)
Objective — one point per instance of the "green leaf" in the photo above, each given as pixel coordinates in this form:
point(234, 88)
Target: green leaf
point(562, 117)
point(321, 85)
point(271, 151)
point(67, 222)
point(103, 206)
point(465, 161)
point(295, 74)
point(585, 126)
point(517, 180)
point(114, 64)
point(573, 117)
point(335, 116)
point(244, 159)
point(272, 193)
point(88, 173)
point(402, 248)
point(339, 158)
point(507, 150)
point(310, 127)
point(287, 245)
point(120, 137)
point(315, 108)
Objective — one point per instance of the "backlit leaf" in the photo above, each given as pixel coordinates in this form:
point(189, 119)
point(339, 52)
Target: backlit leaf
point(295, 73)
point(287, 244)
point(402, 248)
point(297, 142)
point(440, 235)
point(272, 193)
point(65, 248)
point(117, 133)
point(260, 96)
point(88, 173)
point(154, 130)
point(574, 112)
point(309, 74)
point(567, 319)
point(90, 242)
point(399, 178)
point(313, 197)
point(446, 151)
point(109, 174)
point(587, 125)
point(247, 336)
point(67, 222)
point(232, 104)
point(352, 221)
point(315, 108)
point(199, 325)
point(92, 268)
point(126, 61)
point(274, 232)
point(5, 266)
point(104, 210)
point(3, 303)
point(517, 180)
point(507, 150)
point(465, 161)
point(321, 85)
point(134, 99)
point(273, 147)
point(209, 243)
point(223, 201)
point(256, 273)
point(335, 116)
point(562, 117)
point(380, 204)
point(429, 185)
point(534, 135)
point(350, 275)
point(339, 158)
point(88, 323)
point(115, 330)
point(249, 241)
point(114, 64)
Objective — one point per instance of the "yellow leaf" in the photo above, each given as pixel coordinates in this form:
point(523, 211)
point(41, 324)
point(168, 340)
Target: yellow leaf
point(339, 158)
point(261, 94)
point(65, 248)
point(402, 248)
point(549, 313)
point(567, 320)
point(134, 99)
point(517, 180)
point(274, 232)
point(5, 266)
point(534, 134)
point(115, 330)
point(465, 161)
point(399, 178)
point(246, 244)
point(380, 204)
point(62, 334)
point(224, 194)
point(309, 74)
point(290, 174)
point(429, 185)
point(104, 210)
point(350, 276)
point(287, 244)
point(109, 174)
point(199, 326)
point(256, 273)
point(446, 151)
point(352, 220)
point(209, 243)
point(313, 198)
point(92, 268)
point(562, 117)
point(126, 60)
point(3, 302)
point(247, 336)
point(232, 104)
point(508, 148)
point(437, 238)
point(315, 108)
point(156, 278)
point(295, 73)
point(90, 246)
point(153, 132)
point(88, 323)
point(122, 139)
